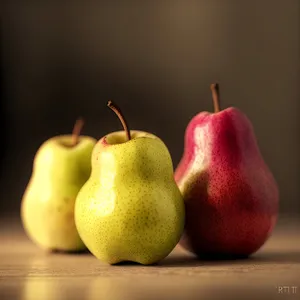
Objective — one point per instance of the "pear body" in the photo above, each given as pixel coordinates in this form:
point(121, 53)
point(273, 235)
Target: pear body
point(47, 208)
point(230, 195)
point(130, 209)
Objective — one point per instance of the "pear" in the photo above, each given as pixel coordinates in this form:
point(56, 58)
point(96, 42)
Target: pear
point(130, 209)
point(61, 166)
point(230, 194)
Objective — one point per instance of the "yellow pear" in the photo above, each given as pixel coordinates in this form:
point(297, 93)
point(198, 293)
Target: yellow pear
point(61, 166)
point(130, 209)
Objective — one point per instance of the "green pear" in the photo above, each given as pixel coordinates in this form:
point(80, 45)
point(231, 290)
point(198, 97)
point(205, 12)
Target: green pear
point(61, 166)
point(130, 209)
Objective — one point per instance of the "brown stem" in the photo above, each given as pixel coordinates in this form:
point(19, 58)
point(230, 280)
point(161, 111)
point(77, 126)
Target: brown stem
point(118, 112)
point(216, 96)
point(76, 131)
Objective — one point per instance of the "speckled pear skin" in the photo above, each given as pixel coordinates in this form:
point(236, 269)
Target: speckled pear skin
point(131, 208)
point(47, 208)
point(230, 195)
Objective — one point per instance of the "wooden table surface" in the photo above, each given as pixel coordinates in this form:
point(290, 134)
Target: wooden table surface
point(26, 273)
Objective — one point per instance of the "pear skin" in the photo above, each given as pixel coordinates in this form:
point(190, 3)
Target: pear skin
point(130, 209)
point(47, 208)
point(230, 194)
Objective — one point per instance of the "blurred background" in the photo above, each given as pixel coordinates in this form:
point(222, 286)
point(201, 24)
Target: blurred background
point(156, 60)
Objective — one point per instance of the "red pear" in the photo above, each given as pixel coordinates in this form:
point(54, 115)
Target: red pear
point(231, 197)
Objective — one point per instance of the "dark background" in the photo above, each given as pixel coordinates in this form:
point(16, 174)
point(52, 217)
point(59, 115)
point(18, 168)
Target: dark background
point(156, 59)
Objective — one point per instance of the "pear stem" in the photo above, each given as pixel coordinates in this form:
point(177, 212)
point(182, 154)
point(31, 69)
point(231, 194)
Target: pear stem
point(76, 131)
point(118, 112)
point(215, 96)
